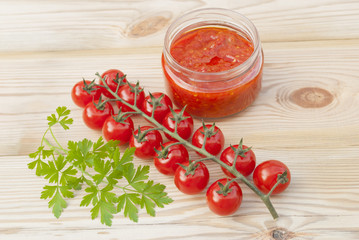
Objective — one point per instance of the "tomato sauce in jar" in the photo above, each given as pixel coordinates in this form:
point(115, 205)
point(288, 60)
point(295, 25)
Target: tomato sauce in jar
point(214, 69)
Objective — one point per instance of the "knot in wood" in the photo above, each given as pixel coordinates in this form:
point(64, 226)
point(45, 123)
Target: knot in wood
point(279, 234)
point(147, 26)
point(311, 97)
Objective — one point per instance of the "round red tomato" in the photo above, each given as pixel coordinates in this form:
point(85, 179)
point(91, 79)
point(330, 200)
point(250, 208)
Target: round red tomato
point(81, 97)
point(266, 174)
point(146, 148)
point(160, 111)
point(110, 76)
point(127, 94)
point(214, 143)
point(194, 182)
point(176, 154)
point(245, 163)
point(184, 128)
point(95, 117)
point(121, 131)
point(224, 204)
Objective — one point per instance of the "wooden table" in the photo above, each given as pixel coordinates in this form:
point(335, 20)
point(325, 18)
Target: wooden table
point(307, 114)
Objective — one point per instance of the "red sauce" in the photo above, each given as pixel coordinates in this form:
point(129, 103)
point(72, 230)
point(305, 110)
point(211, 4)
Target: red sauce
point(212, 50)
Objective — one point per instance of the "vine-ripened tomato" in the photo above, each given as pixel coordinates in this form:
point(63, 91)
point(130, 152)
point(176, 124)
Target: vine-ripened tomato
point(245, 165)
point(214, 143)
point(184, 128)
point(81, 97)
point(94, 118)
point(221, 204)
point(110, 76)
point(265, 176)
point(176, 154)
point(119, 131)
point(194, 182)
point(146, 148)
point(126, 94)
point(160, 111)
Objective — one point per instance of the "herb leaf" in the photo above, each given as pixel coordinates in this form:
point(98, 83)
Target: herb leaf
point(61, 118)
point(57, 203)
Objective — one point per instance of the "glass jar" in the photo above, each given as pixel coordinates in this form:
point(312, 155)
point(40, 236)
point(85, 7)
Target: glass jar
point(223, 91)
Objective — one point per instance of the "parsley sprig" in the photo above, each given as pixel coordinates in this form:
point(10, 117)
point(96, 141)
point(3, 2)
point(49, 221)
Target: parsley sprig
point(111, 181)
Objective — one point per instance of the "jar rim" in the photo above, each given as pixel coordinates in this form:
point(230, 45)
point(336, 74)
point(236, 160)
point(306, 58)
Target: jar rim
point(250, 27)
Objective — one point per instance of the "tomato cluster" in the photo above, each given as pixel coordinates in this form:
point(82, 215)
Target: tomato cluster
point(224, 196)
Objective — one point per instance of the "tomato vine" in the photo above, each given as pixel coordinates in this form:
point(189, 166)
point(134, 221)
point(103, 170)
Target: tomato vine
point(179, 116)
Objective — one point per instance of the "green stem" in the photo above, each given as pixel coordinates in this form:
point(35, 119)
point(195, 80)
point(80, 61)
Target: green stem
point(170, 145)
point(274, 187)
point(204, 142)
point(153, 111)
point(56, 149)
point(57, 142)
point(43, 136)
point(203, 159)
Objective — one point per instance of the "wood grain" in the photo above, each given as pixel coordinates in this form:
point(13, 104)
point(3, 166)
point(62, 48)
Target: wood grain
point(73, 25)
point(307, 114)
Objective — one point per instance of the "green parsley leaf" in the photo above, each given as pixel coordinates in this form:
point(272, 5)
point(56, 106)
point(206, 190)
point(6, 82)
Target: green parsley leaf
point(61, 118)
point(91, 197)
point(107, 195)
point(103, 168)
point(41, 153)
point(57, 203)
point(106, 209)
point(52, 120)
point(68, 177)
point(129, 172)
point(79, 153)
point(63, 111)
point(150, 206)
point(40, 166)
point(65, 122)
point(141, 174)
point(48, 191)
point(128, 202)
point(65, 191)
point(156, 193)
point(127, 156)
point(51, 173)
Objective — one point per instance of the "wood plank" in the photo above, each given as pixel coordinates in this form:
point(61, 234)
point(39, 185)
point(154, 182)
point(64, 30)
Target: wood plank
point(73, 25)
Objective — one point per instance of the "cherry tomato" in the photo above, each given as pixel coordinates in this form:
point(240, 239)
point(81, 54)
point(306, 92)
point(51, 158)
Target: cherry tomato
point(184, 128)
point(93, 117)
point(245, 164)
point(222, 204)
point(110, 76)
point(193, 183)
point(265, 176)
point(120, 131)
point(146, 148)
point(214, 143)
point(176, 154)
point(160, 111)
point(81, 97)
point(126, 94)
